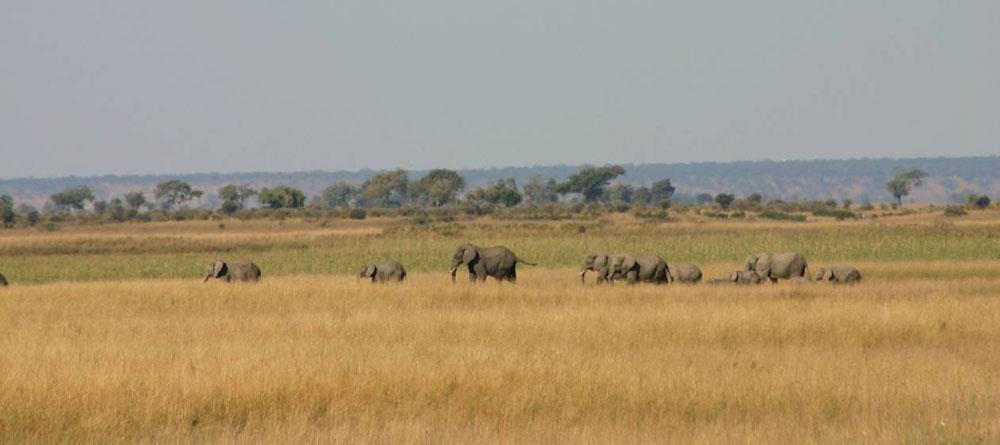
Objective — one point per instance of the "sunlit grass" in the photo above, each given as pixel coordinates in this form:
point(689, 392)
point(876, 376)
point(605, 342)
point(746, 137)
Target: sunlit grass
point(330, 358)
point(107, 334)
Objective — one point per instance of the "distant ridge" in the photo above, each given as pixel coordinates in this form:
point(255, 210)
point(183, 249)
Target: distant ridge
point(860, 180)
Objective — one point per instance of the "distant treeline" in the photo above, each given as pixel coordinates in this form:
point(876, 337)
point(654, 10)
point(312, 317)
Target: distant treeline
point(860, 180)
point(593, 190)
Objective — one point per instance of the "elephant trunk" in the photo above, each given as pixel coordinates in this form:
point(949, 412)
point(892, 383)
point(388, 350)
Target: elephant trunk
point(582, 276)
point(207, 276)
point(452, 272)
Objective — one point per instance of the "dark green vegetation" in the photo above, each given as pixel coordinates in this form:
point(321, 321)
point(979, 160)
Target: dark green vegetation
point(861, 180)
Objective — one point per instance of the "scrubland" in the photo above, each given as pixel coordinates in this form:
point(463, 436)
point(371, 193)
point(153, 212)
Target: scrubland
point(107, 335)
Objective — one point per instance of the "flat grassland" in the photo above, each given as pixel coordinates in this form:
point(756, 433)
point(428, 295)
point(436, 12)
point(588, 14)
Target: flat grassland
point(107, 334)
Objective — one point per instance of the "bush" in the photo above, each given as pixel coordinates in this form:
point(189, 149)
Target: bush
point(357, 214)
point(834, 213)
point(652, 214)
point(781, 216)
point(981, 202)
point(955, 211)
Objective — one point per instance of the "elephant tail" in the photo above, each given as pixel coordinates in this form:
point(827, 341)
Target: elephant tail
point(519, 260)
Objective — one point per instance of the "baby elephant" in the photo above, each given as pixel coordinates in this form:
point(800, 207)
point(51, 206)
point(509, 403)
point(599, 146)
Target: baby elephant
point(685, 273)
point(745, 277)
point(838, 274)
point(383, 272)
point(3, 281)
point(230, 272)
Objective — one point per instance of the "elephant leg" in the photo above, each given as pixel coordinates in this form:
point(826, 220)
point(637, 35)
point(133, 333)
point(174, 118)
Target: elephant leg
point(632, 277)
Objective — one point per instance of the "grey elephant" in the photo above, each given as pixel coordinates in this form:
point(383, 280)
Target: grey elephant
point(838, 274)
point(596, 262)
point(644, 268)
point(3, 280)
point(232, 272)
point(497, 262)
point(745, 277)
point(684, 272)
point(773, 266)
point(383, 272)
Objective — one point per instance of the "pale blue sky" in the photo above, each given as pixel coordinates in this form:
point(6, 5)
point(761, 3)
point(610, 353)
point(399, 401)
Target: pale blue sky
point(192, 86)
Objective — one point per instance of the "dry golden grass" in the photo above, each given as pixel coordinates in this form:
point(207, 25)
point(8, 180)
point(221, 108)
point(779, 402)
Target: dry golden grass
point(903, 357)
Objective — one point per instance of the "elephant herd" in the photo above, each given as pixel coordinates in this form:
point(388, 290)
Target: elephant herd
point(501, 263)
point(758, 268)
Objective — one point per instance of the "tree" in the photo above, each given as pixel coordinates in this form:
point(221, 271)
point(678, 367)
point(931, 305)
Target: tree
point(238, 194)
point(591, 181)
point(904, 182)
point(386, 189)
point(642, 195)
point(979, 201)
point(7, 215)
point(339, 194)
point(703, 198)
point(754, 200)
point(116, 210)
point(282, 197)
point(660, 193)
point(100, 207)
point(440, 186)
point(502, 192)
point(135, 200)
point(230, 207)
point(175, 193)
point(620, 193)
point(724, 200)
point(539, 191)
point(73, 197)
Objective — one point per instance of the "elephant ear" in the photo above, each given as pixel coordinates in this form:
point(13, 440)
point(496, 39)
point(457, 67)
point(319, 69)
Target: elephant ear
point(601, 260)
point(219, 269)
point(828, 275)
point(734, 276)
point(471, 253)
point(628, 262)
point(751, 263)
point(371, 271)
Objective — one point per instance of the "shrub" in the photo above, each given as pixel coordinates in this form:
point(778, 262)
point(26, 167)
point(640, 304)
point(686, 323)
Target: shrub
point(955, 211)
point(834, 213)
point(781, 216)
point(981, 202)
point(357, 214)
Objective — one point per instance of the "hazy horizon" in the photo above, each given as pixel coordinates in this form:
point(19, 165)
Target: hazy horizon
point(119, 88)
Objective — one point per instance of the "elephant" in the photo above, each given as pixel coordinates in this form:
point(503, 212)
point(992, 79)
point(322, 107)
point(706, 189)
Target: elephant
point(644, 268)
point(772, 266)
point(745, 277)
point(597, 262)
point(684, 272)
point(239, 271)
point(838, 274)
point(497, 262)
point(383, 272)
point(3, 280)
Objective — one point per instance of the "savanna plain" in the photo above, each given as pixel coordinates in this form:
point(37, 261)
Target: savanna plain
point(107, 334)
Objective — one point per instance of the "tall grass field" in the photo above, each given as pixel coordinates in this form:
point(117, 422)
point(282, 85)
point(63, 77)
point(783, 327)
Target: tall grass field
point(107, 334)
